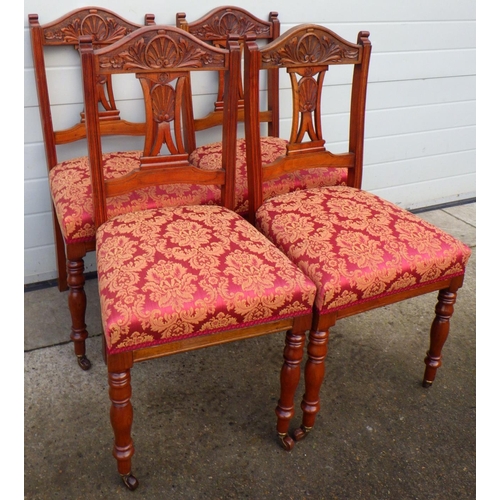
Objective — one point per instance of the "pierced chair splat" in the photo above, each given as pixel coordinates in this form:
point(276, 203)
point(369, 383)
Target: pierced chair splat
point(361, 251)
point(174, 279)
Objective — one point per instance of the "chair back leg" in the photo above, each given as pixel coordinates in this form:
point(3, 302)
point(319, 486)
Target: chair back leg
point(77, 302)
point(314, 374)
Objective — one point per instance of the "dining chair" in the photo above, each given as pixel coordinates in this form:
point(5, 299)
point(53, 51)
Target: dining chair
point(361, 251)
point(213, 28)
point(69, 179)
point(174, 279)
point(69, 182)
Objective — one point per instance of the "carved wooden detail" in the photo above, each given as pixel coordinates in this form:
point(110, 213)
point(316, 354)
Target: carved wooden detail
point(164, 94)
point(311, 47)
point(103, 26)
point(234, 21)
point(106, 94)
point(157, 50)
point(214, 28)
point(307, 84)
point(101, 30)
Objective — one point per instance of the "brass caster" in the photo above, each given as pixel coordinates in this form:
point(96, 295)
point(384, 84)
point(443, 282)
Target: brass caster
point(301, 432)
point(130, 481)
point(426, 383)
point(83, 362)
point(286, 441)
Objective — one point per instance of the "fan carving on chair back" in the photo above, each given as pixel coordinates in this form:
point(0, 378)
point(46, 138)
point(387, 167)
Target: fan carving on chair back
point(105, 27)
point(214, 28)
point(314, 48)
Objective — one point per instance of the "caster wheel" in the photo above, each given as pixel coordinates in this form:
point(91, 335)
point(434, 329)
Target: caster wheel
point(130, 481)
point(426, 383)
point(301, 433)
point(287, 442)
point(83, 362)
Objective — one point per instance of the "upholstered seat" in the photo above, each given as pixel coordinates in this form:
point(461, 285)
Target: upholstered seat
point(174, 273)
point(208, 157)
point(356, 246)
point(72, 194)
point(71, 191)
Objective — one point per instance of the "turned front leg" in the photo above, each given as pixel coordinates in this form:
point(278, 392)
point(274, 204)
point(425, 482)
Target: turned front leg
point(314, 375)
point(121, 414)
point(77, 302)
point(290, 377)
point(439, 333)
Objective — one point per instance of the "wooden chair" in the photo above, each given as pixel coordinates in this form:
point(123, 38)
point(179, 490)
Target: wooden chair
point(213, 28)
point(174, 279)
point(69, 180)
point(361, 251)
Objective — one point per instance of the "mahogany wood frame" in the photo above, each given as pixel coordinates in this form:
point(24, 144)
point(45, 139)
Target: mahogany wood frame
point(306, 52)
point(160, 169)
point(105, 27)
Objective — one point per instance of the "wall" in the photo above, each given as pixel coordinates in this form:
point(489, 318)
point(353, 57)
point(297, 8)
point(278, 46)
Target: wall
point(420, 123)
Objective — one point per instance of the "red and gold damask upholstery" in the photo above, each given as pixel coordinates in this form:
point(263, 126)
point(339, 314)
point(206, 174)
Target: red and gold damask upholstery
point(209, 158)
point(173, 273)
point(357, 247)
point(72, 194)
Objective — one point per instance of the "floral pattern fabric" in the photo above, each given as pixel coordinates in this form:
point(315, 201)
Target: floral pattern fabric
point(174, 273)
point(71, 188)
point(72, 194)
point(209, 157)
point(356, 246)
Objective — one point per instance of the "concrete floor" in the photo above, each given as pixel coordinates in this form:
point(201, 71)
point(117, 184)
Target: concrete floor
point(204, 423)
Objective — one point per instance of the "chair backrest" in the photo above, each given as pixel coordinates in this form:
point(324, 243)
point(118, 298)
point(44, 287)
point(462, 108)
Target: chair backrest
point(214, 28)
point(105, 27)
point(306, 52)
point(162, 58)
